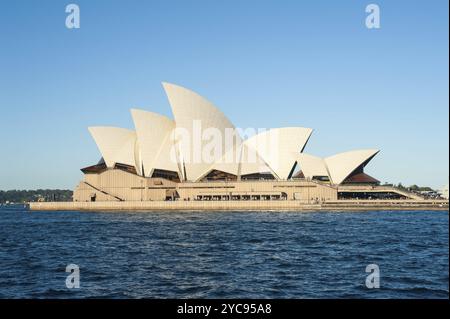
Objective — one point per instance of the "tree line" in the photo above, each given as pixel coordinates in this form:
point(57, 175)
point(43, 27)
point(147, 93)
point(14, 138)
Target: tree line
point(25, 196)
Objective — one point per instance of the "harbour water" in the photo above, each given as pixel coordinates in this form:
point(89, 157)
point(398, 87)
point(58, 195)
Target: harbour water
point(224, 254)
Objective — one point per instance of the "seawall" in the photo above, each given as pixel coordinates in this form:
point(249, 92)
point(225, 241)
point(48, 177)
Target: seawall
point(280, 205)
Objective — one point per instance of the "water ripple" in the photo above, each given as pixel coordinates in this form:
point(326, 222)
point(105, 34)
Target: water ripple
point(223, 255)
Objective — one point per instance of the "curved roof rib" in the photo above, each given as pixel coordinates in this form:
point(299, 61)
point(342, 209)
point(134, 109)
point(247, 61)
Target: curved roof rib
point(311, 165)
point(155, 141)
point(117, 145)
point(277, 147)
point(195, 115)
point(340, 166)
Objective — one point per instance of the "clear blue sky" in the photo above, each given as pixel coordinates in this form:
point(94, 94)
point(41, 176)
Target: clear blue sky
point(264, 63)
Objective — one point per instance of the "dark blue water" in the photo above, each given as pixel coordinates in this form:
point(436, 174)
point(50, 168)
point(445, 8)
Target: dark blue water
point(223, 255)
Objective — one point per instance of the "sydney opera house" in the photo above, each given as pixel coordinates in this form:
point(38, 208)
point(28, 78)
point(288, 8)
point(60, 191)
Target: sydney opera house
point(199, 155)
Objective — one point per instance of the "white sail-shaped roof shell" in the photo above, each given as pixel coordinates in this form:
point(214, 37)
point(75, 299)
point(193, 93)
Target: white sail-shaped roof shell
point(341, 165)
point(242, 160)
point(117, 145)
point(158, 143)
point(194, 114)
point(311, 165)
point(229, 163)
point(277, 147)
point(251, 162)
point(154, 136)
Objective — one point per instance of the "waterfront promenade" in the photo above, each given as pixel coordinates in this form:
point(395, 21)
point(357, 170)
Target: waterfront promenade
point(279, 205)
